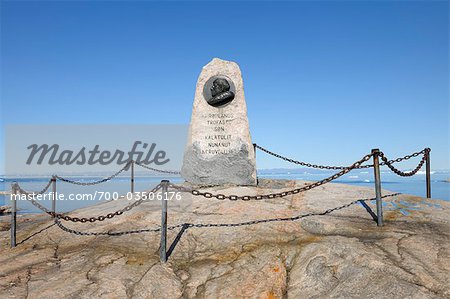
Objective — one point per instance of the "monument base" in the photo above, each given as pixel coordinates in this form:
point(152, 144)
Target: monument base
point(233, 168)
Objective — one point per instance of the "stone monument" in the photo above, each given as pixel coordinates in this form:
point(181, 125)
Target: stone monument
point(219, 149)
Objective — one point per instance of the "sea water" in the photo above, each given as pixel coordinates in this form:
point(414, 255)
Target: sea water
point(414, 185)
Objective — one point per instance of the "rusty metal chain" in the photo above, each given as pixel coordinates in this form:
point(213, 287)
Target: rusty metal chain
point(187, 225)
point(425, 153)
point(63, 216)
point(275, 195)
point(304, 163)
point(334, 167)
point(94, 182)
point(28, 193)
point(157, 170)
point(109, 215)
point(30, 196)
point(137, 231)
point(80, 233)
point(285, 218)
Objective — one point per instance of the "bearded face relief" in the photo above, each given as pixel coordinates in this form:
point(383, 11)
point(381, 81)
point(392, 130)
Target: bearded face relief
point(219, 91)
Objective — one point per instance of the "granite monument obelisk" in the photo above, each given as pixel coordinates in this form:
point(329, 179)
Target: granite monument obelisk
point(219, 149)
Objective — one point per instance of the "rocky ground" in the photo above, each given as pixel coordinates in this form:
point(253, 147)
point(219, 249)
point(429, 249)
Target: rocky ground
point(342, 254)
point(5, 210)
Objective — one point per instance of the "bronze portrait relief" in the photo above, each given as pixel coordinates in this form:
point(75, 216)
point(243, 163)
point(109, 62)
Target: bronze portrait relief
point(219, 91)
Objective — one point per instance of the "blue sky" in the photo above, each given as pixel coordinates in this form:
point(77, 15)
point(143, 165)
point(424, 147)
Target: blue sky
point(324, 81)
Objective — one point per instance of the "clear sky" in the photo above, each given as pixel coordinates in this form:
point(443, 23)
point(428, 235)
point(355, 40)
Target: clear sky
point(324, 81)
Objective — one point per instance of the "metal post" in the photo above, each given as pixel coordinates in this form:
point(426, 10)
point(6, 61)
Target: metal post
point(376, 170)
point(132, 177)
point(13, 215)
point(254, 149)
point(428, 172)
point(54, 195)
point(163, 246)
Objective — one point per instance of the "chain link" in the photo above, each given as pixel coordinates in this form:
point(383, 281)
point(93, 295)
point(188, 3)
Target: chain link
point(201, 225)
point(95, 182)
point(28, 193)
point(425, 153)
point(187, 225)
point(275, 195)
point(137, 231)
point(304, 163)
point(30, 196)
point(157, 170)
point(80, 233)
point(335, 167)
point(109, 215)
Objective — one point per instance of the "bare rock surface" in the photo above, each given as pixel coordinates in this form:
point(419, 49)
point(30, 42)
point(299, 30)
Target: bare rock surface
point(5, 210)
point(341, 255)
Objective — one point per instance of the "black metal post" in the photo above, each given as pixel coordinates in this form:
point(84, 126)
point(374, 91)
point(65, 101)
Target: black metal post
point(428, 172)
point(376, 170)
point(13, 214)
point(54, 195)
point(254, 149)
point(163, 246)
point(132, 177)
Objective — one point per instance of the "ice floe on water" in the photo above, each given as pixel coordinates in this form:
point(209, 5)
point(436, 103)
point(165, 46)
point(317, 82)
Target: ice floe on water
point(424, 172)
